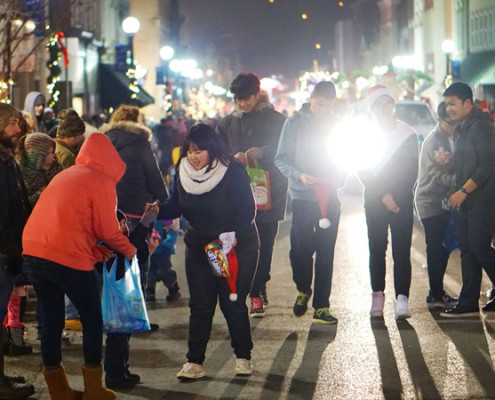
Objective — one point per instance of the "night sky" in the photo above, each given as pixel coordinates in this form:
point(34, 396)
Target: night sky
point(271, 38)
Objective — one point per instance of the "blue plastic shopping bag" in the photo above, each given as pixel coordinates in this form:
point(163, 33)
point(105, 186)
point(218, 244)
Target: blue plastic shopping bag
point(122, 301)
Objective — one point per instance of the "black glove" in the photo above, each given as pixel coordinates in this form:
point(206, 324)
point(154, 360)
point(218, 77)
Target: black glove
point(14, 265)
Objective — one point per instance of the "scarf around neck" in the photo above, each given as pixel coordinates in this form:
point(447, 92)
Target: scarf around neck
point(199, 182)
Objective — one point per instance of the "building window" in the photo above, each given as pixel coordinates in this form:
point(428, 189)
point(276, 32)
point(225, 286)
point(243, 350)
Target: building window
point(482, 26)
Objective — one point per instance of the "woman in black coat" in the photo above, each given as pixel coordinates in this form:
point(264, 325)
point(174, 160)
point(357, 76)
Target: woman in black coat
point(214, 194)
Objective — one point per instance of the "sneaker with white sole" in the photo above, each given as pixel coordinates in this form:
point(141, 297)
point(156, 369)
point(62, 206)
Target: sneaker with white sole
point(191, 371)
point(377, 304)
point(402, 307)
point(243, 367)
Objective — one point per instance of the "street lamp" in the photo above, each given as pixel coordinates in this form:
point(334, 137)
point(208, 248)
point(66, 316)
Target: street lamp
point(131, 26)
point(448, 49)
point(166, 53)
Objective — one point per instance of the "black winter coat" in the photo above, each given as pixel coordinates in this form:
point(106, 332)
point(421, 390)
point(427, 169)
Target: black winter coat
point(14, 205)
point(228, 207)
point(259, 128)
point(142, 182)
point(474, 144)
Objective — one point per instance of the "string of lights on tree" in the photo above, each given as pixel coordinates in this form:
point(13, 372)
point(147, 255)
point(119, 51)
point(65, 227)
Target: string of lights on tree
point(56, 49)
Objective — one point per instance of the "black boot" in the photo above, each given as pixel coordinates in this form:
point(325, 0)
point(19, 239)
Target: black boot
point(17, 345)
point(173, 292)
point(116, 362)
point(11, 389)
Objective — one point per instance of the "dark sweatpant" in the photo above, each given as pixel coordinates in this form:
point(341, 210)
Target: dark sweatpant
point(308, 239)
point(267, 232)
point(205, 289)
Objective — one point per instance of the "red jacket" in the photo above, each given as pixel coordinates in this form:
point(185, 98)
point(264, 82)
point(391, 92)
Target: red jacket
point(78, 209)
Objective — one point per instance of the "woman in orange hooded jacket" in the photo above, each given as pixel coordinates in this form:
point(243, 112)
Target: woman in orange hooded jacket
point(60, 242)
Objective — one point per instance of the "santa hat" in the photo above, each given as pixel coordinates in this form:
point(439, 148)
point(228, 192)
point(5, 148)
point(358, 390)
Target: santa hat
point(223, 265)
point(375, 92)
point(322, 193)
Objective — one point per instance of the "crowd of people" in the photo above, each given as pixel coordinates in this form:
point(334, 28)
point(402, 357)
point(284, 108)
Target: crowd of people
point(127, 190)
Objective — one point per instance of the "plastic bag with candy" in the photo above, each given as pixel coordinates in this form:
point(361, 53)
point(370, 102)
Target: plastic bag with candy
point(217, 259)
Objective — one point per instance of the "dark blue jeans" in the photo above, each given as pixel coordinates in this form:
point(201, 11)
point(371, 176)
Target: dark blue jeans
point(267, 232)
point(161, 270)
point(437, 255)
point(475, 229)
point(307, 239)
point(6, 286)
point(379, 219)
point(51, 282)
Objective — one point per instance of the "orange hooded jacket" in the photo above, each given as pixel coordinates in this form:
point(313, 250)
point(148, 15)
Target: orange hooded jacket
point(78, 209)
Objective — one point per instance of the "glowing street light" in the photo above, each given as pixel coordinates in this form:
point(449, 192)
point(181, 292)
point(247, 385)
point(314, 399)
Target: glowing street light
point(167, 53)
point(318, 46)
point(131, 26)
point(304, 16)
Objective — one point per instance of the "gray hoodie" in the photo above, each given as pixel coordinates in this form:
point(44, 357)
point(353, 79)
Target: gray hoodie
point(436, 174)
point(29, 103)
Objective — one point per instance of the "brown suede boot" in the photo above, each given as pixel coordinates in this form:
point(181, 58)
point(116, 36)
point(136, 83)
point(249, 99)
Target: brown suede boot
point(58, 386)
point(93, 388)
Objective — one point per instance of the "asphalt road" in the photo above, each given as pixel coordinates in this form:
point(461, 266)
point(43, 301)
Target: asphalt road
point(425, 357)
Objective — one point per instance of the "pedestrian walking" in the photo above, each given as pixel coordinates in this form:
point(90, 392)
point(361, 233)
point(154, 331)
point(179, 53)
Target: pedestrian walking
point(34, 104)
point(474, 143)
point(13, 216)
point(436, 182)
point(79, 204)
point(388, 202)
point(252, 133)
point(302, 156)
point(69, 137)
point(213, 192)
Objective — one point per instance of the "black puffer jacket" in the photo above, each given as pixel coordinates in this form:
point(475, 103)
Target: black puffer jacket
point(14, 205)
point(228, 207)
point(142, 182)
point(259, 128)
point(474, 143)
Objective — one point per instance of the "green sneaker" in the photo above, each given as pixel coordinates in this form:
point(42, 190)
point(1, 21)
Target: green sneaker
point(301, 304)
point(323, 316)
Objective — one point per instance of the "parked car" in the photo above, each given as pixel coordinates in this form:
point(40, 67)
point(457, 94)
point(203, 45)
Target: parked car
point(416, 114)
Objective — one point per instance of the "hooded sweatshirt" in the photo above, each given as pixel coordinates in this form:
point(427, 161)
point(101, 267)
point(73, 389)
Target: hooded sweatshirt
point(436, 179)
point(29, 103)
point(303, 149)
point(474, 140)
point(77, 210)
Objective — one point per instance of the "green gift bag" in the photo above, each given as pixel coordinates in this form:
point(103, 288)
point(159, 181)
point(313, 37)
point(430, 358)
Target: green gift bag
point(260, 182)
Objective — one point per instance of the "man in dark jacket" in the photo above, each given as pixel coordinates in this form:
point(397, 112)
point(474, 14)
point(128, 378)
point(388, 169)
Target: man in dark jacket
point(474, 143)
point(252, 133)
point(14, 210)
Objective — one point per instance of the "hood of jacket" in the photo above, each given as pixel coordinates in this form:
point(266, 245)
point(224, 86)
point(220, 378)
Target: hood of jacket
point(99, 153)
point(30, 100)
point(474, 116)
point(125, 133)
point(262, 104)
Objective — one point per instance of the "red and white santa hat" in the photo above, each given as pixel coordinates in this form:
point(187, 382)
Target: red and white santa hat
point(375, 92)
point(322, 192)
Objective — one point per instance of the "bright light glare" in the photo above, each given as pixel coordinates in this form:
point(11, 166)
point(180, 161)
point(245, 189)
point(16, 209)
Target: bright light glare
point(356, 144)
point(166, 53)
point(131, 25)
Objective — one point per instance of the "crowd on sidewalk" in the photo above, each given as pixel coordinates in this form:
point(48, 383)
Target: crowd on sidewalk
point(72, 207)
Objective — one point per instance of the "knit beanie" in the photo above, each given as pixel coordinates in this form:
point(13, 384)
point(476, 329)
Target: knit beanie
point(375, 92)
point(70, 124)
point(37, 145)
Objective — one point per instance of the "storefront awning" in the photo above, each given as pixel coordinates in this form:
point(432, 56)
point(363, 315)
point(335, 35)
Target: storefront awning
point(479, 68)
point(114, 89)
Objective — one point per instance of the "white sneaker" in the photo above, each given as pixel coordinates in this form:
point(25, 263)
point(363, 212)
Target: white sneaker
point(191, 371)
point(243, 366)
point(402, 307)
point(377, 304)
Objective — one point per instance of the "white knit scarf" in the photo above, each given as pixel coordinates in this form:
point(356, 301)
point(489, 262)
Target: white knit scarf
point(199, 182)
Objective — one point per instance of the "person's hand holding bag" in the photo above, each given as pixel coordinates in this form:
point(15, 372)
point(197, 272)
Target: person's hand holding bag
point(228, 241)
